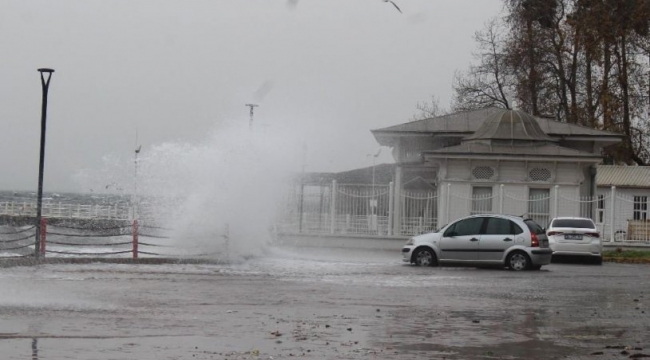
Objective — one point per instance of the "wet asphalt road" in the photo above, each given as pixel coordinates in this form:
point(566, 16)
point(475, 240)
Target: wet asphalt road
point(323, 304)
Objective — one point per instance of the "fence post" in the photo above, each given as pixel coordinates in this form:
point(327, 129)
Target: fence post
point(43, 230)
point(612, 216)
point(448, 204)
point(501, 199)
point(135, 239)
point(556, 202)
point(333, 208)
point(391, 207)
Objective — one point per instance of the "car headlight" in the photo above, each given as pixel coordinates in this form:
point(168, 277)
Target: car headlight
point(410, 241)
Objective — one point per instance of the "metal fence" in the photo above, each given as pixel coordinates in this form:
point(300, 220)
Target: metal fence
point(419, 212)
point(382, 210)
point(357, 209)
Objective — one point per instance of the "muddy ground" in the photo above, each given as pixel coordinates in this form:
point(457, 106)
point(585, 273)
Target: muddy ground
point(322, 304)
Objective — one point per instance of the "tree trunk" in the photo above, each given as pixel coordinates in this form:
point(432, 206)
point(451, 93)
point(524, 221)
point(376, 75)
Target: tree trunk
point(591, 116)
point(532, 72)
point(607, 115)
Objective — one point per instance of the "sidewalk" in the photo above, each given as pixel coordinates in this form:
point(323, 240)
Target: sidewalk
point(396, 242)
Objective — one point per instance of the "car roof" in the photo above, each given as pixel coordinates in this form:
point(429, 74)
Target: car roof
point(488, 214)
point(571, 218)
point(507, 216)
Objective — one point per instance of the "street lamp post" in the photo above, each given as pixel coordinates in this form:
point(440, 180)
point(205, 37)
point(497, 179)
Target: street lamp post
point(46, 75)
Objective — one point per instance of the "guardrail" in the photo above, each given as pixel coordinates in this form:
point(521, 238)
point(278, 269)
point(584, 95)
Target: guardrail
point(97, 238)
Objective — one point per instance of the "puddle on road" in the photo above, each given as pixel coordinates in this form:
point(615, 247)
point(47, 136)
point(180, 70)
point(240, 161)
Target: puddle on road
point(498, 334)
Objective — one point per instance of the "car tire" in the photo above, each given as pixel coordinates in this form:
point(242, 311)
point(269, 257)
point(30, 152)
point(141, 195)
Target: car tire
point(598, 261)
point(425, 257)
point(518, 261)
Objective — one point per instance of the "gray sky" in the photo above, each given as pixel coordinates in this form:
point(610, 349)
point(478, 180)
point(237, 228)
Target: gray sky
point(331, 70)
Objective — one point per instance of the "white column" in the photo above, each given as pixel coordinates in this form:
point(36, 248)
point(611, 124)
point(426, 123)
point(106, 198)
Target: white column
point(556, 201)
point(397, 218)
point(448, 203)
point(612, 217)
point(333, 208)
point(501, 199)
point(391, 207)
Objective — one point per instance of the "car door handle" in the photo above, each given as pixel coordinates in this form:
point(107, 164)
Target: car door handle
point(507, 239)
point(473, 239)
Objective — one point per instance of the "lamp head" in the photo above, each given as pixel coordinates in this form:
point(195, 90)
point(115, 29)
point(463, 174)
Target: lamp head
point(46, 70)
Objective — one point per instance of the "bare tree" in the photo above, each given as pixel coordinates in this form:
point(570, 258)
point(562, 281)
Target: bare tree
point(429, 109)
point(585, 62)
point(487, 83)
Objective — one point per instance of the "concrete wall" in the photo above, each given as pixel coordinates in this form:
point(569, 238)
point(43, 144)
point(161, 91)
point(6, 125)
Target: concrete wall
point(513, 175)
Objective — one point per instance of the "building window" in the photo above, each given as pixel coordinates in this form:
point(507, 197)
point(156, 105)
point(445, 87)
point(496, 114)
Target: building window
point(481, 200)
point(640, 208)
point(538, 205)
point(483, 172)
point(539, 174)
point(601, 209)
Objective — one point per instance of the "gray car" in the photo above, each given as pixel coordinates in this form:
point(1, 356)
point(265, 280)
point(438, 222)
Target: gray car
point(511, 241)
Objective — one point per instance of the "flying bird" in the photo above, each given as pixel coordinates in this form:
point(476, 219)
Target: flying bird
point(395, 5)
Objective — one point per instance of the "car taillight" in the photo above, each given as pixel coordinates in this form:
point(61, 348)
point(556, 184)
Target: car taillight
point(593, 234)
point(551, 233)
point(534, 241)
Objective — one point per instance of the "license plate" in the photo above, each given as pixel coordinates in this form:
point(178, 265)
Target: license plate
point(572, 236)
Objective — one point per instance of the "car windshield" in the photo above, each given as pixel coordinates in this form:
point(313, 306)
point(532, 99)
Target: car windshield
point(573, 223)
point(534, 227)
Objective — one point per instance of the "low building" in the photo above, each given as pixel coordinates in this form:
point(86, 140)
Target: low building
point(629, 186)
point(483, 161)
point(494, 160)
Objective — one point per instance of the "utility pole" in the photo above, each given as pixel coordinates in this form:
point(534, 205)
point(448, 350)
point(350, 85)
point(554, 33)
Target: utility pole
point(135, 180)
point(252, 107)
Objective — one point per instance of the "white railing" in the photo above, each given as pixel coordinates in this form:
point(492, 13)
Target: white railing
point(72, 211)
point(620, 215)
point(419, 212)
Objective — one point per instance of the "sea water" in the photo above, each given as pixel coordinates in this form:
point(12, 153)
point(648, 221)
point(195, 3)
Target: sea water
point(223, 193)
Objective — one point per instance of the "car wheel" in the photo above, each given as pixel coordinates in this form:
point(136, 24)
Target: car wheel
point(599, 261)
point(517, 261)
point(425, 257)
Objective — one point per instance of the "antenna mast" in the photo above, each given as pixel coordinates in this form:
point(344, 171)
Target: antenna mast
point(252, 107)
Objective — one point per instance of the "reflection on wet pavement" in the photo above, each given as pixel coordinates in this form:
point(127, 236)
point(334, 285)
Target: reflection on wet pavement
point(321, 304)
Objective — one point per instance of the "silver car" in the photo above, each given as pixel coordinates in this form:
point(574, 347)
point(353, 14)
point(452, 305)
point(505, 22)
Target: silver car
point(575, 236)
point(511, 241)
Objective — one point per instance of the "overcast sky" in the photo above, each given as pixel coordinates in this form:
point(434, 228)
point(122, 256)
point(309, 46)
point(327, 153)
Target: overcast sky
point(331, 70)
